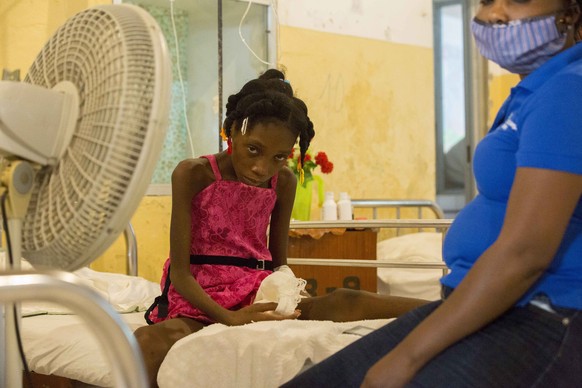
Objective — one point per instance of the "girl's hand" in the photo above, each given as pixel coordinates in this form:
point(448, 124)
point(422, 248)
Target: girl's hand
point(257, 312)
point(390, 372)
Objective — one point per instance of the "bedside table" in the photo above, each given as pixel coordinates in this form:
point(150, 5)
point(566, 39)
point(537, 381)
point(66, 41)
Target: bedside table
point(351, 244)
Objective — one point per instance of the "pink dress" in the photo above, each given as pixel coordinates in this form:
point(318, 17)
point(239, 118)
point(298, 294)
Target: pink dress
point(229, 218)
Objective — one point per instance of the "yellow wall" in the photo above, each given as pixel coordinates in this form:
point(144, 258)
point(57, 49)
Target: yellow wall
point(25, 26)
point(151, 224)
point(371, 102)
point(499, 88)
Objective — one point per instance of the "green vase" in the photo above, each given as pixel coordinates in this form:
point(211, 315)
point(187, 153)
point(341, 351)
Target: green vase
point(303, 197)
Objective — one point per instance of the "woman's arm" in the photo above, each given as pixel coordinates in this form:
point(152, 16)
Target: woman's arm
point(539, 209)
point(281, 216)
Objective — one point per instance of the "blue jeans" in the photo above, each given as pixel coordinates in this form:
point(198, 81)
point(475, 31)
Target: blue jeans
point(526, 347)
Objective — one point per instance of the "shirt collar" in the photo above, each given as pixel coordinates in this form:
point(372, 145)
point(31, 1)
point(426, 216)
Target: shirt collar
point(534, 80)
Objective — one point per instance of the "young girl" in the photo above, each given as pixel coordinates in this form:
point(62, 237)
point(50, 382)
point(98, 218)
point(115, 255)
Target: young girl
point(222, 207)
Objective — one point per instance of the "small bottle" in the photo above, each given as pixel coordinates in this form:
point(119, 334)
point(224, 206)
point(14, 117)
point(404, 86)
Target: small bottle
point(329, 208)
point(344, 207)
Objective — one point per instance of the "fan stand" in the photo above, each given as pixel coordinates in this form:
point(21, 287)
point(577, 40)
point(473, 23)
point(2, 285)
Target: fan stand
point(118, 342)
point(16, 180)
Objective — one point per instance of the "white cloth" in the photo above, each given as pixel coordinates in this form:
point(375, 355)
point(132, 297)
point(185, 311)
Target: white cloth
point(283, 288)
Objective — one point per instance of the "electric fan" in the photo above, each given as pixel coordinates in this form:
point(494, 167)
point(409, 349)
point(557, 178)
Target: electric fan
point(80, 137)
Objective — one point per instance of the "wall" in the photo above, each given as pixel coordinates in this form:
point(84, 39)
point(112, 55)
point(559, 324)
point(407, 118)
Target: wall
point(365, 70)
point(25, 25)
point(364, 67)
point(500, 84)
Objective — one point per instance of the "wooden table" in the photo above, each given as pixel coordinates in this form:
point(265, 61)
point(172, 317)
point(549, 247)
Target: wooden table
point(334, 244)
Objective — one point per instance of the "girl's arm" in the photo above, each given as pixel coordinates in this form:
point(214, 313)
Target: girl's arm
point(188, 179)
point(539, 209)
point(281, 216)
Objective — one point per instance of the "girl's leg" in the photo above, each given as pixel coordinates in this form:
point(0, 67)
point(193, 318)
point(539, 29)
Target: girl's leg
point(343, 305)
point(156, 340)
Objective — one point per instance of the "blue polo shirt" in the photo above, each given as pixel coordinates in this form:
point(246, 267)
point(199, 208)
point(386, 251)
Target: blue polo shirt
point(539, 126)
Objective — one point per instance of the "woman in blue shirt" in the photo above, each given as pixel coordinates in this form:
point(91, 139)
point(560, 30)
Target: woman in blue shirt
point(511, 313)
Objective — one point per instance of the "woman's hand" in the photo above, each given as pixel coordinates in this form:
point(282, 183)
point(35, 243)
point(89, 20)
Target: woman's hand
point(391, 371)
point(257, 312)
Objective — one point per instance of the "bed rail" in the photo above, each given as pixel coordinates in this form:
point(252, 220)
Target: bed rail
point(398, 204)
point(115, 337)
point(131, 249)
point(440, 225)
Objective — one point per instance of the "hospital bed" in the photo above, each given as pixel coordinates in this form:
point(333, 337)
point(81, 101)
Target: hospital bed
point(62, 352)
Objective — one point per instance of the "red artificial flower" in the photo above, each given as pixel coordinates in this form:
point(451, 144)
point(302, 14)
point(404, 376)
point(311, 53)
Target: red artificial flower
point(327, 167)
point(310, 163)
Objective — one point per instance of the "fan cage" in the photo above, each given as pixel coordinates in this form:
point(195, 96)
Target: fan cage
point(117, 58)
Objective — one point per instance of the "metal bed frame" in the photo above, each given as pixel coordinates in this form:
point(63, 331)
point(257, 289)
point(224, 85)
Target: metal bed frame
point(114, 336)
point(116, 339)
point(439, 223)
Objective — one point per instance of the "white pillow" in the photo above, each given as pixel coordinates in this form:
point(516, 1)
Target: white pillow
point(125, 293)
point(423, 247)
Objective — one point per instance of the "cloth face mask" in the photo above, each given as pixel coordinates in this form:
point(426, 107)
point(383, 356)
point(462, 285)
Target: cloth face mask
point(520, 46)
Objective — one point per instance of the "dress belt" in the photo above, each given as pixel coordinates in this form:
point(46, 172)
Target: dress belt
point(230, 260)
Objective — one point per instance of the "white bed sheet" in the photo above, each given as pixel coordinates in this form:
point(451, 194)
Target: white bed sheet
point(57, 342)
point(257, 355)
point(63, 345)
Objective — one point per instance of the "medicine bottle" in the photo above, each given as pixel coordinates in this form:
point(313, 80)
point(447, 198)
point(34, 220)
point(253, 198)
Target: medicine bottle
point(329, 208)
point(344, 207)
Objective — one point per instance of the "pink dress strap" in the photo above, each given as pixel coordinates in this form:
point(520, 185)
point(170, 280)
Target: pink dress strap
point(214, 165)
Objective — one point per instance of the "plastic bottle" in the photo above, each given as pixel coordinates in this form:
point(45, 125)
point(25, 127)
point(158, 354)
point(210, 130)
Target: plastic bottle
point(329, 208)
point(344, 207)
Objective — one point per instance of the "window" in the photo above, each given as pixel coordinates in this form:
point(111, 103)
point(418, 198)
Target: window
point(192, 34)
point(460, 84)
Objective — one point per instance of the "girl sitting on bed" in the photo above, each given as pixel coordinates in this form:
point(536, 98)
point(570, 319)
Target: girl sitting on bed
point(512, 309)
point(222, 207)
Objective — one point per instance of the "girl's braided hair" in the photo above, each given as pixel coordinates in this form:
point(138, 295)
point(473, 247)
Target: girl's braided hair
point(270, 98)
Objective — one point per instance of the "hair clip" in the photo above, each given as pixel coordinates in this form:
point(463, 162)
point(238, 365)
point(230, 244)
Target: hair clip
point(223, 134)
point(243, 128)
point(301, 172)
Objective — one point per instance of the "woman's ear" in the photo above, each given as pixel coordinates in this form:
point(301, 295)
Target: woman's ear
point(572, 15)
point(576, 15)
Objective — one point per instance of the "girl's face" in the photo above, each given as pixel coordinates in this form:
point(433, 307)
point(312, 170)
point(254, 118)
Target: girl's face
point(503, 11)
point(261, 152)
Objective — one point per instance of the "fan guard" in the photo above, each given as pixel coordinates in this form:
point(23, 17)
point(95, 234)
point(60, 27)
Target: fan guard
point(117, 58)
